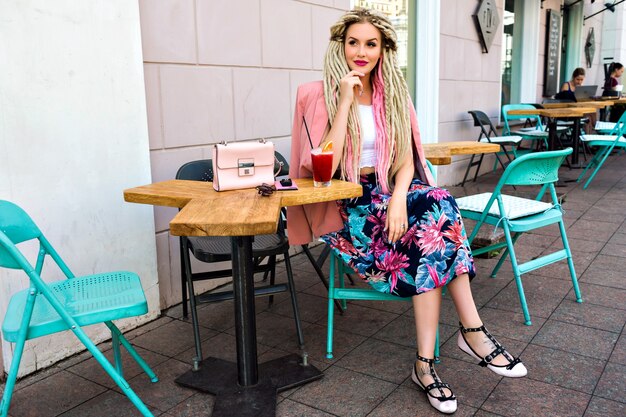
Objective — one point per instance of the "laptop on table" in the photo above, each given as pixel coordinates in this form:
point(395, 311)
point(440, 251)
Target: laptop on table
point(585, 92)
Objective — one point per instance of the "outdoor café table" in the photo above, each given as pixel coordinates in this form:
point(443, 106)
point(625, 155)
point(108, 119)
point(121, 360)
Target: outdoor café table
point(569, 113)
point(441, 153)
point(592, 104)
point(245, 388)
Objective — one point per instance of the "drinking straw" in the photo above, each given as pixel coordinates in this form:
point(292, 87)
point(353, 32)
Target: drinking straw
point(307, 132)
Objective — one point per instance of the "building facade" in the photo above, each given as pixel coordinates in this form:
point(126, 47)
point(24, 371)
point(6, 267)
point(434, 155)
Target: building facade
point(114, 94)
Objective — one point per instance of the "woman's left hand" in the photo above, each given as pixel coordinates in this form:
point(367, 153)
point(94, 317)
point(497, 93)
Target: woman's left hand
point(397, 221)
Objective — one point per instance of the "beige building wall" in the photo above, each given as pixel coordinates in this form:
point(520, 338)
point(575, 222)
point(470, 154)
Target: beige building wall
point(469, 79)
point(73, 136)
point(229, 71)
point(223, 70)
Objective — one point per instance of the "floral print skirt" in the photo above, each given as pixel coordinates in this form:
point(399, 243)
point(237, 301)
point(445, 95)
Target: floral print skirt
point(432, 252)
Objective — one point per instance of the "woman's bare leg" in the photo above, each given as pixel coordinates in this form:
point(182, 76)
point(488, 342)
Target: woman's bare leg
point(426, 308)
point(461, 294)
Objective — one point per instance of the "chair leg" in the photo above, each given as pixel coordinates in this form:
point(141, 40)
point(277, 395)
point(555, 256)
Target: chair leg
point(11, 378)
point(331, 309)
point(183, 281)
point(319, 271)
point(503, 257)
point(294, 299)
point(504, 151)
point(272, 271)
point(590, 164)
point(341, 272)
point(131, 350)
point(518, 277)
point(194, 311)
point(599, 165)
point(322, 258)
point(17, 354)
point(570, 262)
point(115, 342)
point(468, 169)
point(480, 162)
point(119, 380)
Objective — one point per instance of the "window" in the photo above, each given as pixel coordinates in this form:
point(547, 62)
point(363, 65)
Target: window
point(507, 50)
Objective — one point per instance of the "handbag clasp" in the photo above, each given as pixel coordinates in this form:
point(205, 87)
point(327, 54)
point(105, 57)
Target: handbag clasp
point(246, 167)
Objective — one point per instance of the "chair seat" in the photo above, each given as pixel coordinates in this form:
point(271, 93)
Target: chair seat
point(532, 132)
point(89, 299)
point(602, 139)
point(515, 207)
point(218, 248)
point(564, 124)
point(604, 126)
point(502, 139)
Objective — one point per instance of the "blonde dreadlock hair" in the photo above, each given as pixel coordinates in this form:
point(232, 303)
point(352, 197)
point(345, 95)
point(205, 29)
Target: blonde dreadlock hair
point(390, 99)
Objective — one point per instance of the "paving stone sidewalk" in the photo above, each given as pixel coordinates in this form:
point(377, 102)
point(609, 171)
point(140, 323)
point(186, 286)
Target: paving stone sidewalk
point(575, 353)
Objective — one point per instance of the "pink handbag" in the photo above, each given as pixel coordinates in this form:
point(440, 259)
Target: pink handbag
point(238, 165)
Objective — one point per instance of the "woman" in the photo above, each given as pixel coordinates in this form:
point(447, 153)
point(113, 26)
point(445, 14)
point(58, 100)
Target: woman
point(403, 236)
point(610, 85)
point(568, 88)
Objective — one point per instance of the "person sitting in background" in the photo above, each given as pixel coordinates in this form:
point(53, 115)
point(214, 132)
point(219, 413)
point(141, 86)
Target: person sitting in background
point(611, 84)
point(568, 88)
point(567, 93)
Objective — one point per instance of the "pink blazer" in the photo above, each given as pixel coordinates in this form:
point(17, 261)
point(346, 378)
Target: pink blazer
point(313, 220)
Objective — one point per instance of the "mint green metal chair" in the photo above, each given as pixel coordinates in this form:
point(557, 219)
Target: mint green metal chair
point(518, 215)
point(47, 308)
point(604, 145)
point(609, 128)
point(536, 133)
point(338, 270)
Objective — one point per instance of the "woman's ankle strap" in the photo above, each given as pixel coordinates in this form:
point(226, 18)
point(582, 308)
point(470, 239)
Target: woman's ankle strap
point(472, 329)
point(423, 359)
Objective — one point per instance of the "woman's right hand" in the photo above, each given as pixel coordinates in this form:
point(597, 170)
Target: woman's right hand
point(350, 85)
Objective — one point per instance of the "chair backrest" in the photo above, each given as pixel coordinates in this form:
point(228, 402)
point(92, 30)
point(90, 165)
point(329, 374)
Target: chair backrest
point(537, 168)
point(431, 168)
point(15, 227)
point(284, 165)
point(535, 119)
point(202, 169)
point(487, 129)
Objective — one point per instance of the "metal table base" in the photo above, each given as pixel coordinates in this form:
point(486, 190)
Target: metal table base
point(245, 388)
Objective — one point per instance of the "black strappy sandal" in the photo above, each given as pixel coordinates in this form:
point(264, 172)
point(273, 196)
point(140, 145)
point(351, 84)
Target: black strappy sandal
point(444, 403)
point(515, 367)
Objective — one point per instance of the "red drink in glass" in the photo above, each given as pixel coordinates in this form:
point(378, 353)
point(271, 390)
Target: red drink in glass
point(322, 167)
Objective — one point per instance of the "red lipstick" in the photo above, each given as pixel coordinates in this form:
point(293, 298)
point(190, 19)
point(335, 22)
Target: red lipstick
point(361, 63)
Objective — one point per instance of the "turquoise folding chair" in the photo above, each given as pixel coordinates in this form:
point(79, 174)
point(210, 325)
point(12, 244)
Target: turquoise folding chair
point(47, 308)
point(608, 128)
point(518, 215)
point(535, 133)
point(604, 144)
point(338, 270)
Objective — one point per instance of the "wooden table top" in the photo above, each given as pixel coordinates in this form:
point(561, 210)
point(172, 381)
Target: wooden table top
point(555, 113)
point(615, 100)
point(206, 212)
point(441, 153)
point(593, 104)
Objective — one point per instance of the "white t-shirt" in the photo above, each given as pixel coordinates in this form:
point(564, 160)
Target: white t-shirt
point(368, 136)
